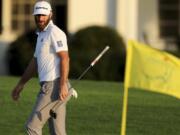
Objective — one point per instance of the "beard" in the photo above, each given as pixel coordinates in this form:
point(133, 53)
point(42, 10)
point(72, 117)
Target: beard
point(41, 25)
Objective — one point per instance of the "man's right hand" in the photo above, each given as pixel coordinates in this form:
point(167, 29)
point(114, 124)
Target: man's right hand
point(16, 92)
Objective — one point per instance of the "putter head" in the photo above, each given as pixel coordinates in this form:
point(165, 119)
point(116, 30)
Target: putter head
point(52, 114)
point(72, 92)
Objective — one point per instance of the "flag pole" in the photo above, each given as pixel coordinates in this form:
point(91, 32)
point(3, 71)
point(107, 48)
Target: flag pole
point(126, 85)
point(124, 111)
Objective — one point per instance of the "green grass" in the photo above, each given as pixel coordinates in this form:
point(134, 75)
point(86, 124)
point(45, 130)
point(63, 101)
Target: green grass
point(97, 111)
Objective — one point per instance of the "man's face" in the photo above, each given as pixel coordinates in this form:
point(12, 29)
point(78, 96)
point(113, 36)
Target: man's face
point(42, 21)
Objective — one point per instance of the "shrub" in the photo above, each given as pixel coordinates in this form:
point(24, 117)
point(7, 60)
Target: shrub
point(20, 52)
point(87, 43)
point(84, 46)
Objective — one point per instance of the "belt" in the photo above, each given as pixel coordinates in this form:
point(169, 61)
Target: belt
point(43, 82)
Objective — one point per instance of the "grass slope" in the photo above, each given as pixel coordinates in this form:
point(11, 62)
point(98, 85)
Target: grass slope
point(97, 111)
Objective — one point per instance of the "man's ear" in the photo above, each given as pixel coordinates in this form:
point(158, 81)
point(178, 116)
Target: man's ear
point(51, 15)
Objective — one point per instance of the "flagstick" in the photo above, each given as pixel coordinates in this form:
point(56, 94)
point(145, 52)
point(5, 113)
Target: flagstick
point(126, 85)
point(124, 111)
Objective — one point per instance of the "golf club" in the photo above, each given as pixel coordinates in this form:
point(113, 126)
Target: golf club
point(72, 92)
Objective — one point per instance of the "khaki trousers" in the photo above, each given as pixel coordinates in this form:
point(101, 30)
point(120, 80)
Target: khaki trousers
point(47, 97)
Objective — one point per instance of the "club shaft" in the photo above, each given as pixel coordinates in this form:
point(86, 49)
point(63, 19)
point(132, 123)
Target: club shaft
point(80, 77)
point(94, 61)
point(99, 56)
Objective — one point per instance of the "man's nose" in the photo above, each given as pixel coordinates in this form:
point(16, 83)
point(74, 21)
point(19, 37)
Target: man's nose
point(40, 17)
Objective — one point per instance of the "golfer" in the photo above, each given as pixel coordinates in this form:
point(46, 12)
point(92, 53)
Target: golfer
point(51, 61)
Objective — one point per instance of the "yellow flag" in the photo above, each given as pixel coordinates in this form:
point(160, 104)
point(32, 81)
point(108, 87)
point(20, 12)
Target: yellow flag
point(152, 69)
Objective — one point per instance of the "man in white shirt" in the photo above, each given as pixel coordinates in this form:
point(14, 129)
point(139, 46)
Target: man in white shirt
point(51, 61)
